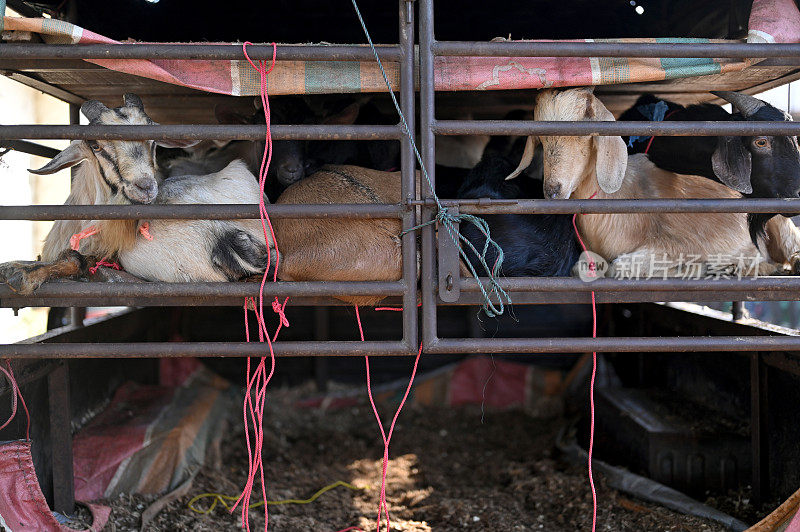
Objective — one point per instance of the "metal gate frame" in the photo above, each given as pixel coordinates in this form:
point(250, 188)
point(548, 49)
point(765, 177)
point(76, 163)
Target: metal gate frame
point(457, 291)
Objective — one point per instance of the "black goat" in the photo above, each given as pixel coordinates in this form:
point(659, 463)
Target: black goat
point(533, 244)
point(757, 166)
point(288, 164)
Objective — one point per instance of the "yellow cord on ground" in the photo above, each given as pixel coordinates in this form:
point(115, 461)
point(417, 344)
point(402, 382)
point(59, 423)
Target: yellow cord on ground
point(225, 499)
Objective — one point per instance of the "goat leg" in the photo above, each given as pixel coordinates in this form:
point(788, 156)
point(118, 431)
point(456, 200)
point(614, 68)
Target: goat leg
point(783, 243)
point(26, 276)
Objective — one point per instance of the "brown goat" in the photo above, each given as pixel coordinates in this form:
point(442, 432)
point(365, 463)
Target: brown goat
point(341, 249)
point(598, 166)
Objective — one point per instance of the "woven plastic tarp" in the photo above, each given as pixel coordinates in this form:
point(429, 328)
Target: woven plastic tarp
point(150, 439)
point(770, 21)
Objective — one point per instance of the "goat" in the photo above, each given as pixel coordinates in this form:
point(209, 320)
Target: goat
point(533, 244)
point(124, 172)
point(757, 166)
point(288, 164)
point(584, 167)
point(340, 249)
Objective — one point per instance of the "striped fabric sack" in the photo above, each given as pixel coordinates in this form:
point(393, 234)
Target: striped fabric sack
point(770, 21)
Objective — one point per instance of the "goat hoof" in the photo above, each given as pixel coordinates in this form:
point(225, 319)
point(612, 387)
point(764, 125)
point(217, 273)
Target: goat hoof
point(17, 276)
point(794, 263)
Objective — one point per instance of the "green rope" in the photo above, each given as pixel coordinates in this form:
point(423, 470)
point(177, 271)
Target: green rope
point(447, 220)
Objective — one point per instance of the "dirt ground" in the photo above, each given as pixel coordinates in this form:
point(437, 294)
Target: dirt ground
point(448, 471)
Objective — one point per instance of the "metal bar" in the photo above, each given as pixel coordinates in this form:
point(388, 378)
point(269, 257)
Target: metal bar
point(737, 310)
point(759, 431)
point(201, 132)
point(618, 344)
point(573, 284)
point(196, 212)
point(398, 348)
point(61, 440)
point(322, 329)
point(202, 349)
point(609, 49)
point(408, 175)
point(31, 148)
point(427, 116)
point(70, 289)
point(600, 206)
point(565, 297)
point(608, 127)
point(285, 52)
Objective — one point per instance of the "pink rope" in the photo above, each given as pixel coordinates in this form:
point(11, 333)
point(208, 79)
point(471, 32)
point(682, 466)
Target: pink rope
point(383, 506)
point(15, 392)
point(255, 396)
point(102, 262)
point(592, 272)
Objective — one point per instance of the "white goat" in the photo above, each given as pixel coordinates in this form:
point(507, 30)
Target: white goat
point(124, 172)
point(599, 166)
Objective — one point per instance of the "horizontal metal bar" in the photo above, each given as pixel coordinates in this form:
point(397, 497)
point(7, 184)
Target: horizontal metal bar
point(442, 345)
point(595, 206)
point(200, 132)
point(204, 349)
point(581, 128)
point(206, 291)
point(613, 49)
point(629, 296)
point(617, 344)
point(573, 284)
point(31, 148)
point(285, 52)
point(196, 212)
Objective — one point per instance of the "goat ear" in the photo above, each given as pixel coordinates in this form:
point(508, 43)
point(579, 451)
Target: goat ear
point(527, 157)
point(345, 117)
point(611, 163)
point(732, 164)
point(92, 109)
point(72, 155)
point(132, 100)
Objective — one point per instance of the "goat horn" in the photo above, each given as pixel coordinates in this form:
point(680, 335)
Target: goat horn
point(745, 104)
point(527, 157)
point(92, 109)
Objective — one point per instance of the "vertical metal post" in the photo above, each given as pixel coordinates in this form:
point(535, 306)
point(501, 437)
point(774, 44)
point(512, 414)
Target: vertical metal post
point(408, 167)
point(759, 433)
point(76, 314)
point(427, 118)
point(737, 310)
point(322, 327)
point(61, 439)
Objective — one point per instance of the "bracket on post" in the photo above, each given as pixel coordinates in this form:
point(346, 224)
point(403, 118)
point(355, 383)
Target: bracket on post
point(449, 264)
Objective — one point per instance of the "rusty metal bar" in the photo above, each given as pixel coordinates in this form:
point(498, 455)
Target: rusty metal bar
point(759, 429)
point(408, 175)
point(573, 284)
point(200, 132)
point(285, 52)
point(61, 439)
point(70, 289)
point(618, 344)
point(31, 148)
point(608, 127)
point(398, 348)
point(612, 49)
point(427, 95)
point(597, 206)
point(197, 211)
point(202, 349)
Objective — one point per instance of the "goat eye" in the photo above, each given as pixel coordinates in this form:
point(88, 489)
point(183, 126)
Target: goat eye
point(95, 146)
point(761, 143)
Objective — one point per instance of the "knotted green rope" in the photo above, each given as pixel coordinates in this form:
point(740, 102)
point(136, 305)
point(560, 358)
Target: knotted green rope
point(447, 220)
